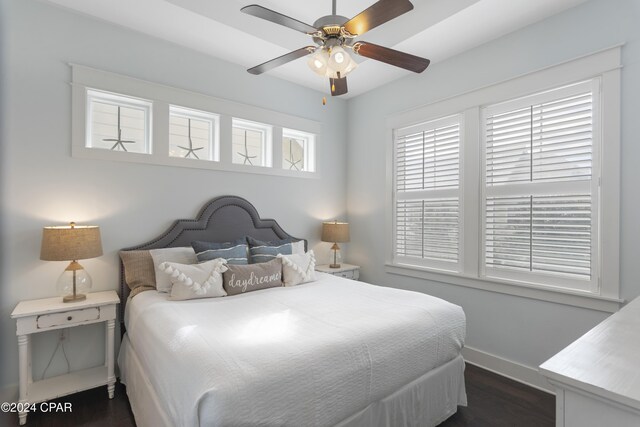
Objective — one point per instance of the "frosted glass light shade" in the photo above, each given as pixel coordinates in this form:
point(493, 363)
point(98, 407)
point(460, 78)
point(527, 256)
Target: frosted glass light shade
point(339, 60)
point(326, 65)
point(318, 62)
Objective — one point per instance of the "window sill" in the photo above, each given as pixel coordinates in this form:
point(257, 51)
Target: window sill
point(558, 296)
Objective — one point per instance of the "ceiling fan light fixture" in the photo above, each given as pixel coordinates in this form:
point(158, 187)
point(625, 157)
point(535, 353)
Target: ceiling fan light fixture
point(339, 60)
point(318, 62)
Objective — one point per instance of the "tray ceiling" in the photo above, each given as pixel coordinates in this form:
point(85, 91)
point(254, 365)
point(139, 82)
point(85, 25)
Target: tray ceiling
point(435, 29)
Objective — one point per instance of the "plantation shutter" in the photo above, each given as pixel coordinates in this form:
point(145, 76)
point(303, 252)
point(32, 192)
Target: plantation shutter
point(540, 221)
point(427, 206)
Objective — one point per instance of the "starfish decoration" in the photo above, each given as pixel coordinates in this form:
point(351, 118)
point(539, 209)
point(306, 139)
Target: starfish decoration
point(292, 160)
point(247, 157)
point(119, 142)
point(190, 149)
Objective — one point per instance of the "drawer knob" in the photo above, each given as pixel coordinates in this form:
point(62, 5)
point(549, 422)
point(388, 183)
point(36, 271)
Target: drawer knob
point(70, 318)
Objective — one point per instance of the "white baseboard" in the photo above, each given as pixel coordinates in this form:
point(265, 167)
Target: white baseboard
point(512, 370)
point(9, 393)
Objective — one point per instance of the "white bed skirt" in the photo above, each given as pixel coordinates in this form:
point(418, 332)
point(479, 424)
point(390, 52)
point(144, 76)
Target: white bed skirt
point(426, 401)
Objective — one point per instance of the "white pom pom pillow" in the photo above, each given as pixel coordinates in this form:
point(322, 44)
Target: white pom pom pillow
point(298, 268)
point(191, 281)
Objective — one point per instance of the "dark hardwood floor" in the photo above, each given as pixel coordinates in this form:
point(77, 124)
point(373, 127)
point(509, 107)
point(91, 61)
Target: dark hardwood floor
point(493, 400)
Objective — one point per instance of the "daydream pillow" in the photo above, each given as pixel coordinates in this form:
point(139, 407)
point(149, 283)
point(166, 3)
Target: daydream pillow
point(181, 255)
point(298, 268)
point(261, 251)
point(192, 281)
point(239, 279)
point(139, 273)
point(234, 252)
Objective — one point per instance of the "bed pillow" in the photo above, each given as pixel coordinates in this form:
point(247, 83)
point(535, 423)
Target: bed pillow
point(262, 251)
point(234, 252)
point(139, 273)
point(239, 279)
point(191, 281)
point(298, 268)
point(181, 255)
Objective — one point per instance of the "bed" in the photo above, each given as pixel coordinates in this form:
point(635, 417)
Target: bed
point(329, 352)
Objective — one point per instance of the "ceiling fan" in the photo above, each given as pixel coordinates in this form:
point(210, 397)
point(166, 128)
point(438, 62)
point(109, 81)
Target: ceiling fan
point(334, 35)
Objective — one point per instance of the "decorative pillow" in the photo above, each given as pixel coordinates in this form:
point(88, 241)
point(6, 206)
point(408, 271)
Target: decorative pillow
point(298, 268)
point(239, 279)
point(234, 252)
point(139, 273)
point(261, 251)
point(181, 255)
point(192, 281)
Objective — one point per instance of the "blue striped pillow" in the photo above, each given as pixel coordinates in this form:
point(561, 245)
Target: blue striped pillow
point(260, 251)
point(234, 252)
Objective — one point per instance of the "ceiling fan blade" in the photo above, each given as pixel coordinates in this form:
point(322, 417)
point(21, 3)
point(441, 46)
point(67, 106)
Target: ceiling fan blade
point(281, 60)
point(338, 86)
point(391, 56)
point(377, 14)
point(278, 18)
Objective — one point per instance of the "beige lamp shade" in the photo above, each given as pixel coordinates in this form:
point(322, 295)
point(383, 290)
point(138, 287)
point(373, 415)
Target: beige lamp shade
point(337, 232)
point(70, 243)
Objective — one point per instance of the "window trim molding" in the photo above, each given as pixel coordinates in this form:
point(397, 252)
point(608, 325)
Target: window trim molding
point(162, 97)
point(605, 64)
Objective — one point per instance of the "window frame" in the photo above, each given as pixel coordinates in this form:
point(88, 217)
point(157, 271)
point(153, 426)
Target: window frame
point(266, 141)
point(214, 130)
point(606, 66)
point(309, 144)
point(436, 265)
point(540, 278)
point(121, 100)
point(162, 97)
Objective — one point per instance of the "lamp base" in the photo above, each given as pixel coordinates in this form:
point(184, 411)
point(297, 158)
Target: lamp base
point(74, 298)
point(334, 265)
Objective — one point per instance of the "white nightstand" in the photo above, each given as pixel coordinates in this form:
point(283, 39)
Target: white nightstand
point(50, 314)
point(347, 271)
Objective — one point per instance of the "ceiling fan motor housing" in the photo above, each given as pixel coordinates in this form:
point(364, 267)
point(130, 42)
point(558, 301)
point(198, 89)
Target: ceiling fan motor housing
point(331, 26)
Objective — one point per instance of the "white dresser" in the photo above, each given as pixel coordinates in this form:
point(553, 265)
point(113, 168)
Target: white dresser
point(597, 377)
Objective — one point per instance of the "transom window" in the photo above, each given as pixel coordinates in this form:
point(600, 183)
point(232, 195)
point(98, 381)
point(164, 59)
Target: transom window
point(118, 123)
point(251, 143)
point(193, 134)
point(297, 150)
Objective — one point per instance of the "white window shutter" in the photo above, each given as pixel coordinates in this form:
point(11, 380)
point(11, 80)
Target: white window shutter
point(539, 203)
point(427, 209)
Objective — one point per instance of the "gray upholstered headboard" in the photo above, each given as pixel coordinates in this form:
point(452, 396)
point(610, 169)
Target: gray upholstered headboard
point(223, 219)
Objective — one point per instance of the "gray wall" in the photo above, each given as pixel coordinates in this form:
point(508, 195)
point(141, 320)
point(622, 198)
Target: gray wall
point(43, 185)
point(518, 329)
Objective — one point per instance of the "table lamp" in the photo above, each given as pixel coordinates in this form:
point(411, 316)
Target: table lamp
point(336, 232)
point(71, 243)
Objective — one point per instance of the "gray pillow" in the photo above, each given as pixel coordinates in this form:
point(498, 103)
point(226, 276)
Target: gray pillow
point(262, 251)
point(239, 279)
point(234, 252)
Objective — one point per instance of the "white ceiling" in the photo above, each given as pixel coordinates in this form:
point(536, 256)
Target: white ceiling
point(434, 29)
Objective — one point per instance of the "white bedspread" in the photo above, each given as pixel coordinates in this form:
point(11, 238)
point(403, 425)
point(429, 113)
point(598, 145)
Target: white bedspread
point(308, 355)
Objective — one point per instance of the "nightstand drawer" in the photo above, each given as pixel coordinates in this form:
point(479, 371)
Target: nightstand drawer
point(68, 317)
point(346, 274)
